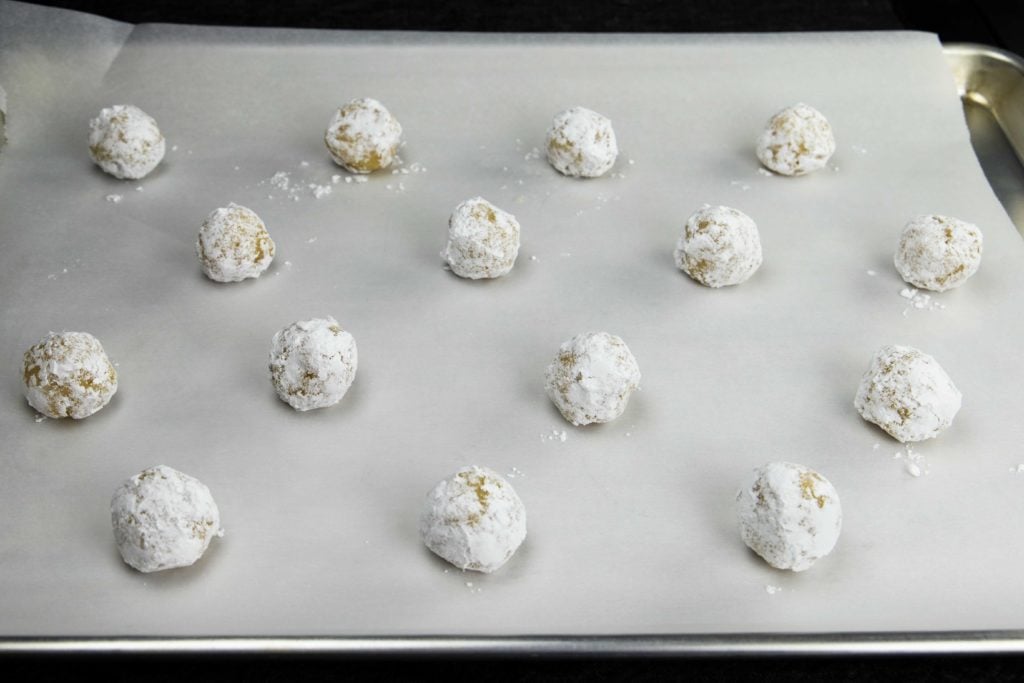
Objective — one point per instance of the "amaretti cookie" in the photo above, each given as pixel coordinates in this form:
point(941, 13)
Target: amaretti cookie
point(720, 246)
point(68, 375)
point(789, 515)
point(312, 363)
point(163, 519)
point(592, 378)
point(581, 143)
point(797, 140)
point(125, 142)
point(908, 394)
point(483, 240)
point(233, 244)
point(363, 136)
point(473, 519)
point(938, 252)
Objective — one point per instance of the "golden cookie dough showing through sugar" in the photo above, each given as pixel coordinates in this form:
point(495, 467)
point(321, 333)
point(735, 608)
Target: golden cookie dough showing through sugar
point(363, 136)
point(473, 519)
point(720, 246)
point(789, 515)
point(162, 519)
point(312, 363)
point(938, 252)
point(233, 244)
point(581, 143)
point(797, 140)
point(68, 375)
point(483, 240)
point(125, 142)
point(592, 378)
point(908, 394)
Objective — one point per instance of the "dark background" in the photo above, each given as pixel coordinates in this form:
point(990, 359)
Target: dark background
point(992, 22)
point(999, 24)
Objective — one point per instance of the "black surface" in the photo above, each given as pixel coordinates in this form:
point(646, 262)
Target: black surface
point(1000, 24)
point(699, 670)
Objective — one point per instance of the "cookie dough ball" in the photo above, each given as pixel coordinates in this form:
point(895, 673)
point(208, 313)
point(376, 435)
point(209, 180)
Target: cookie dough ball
point(363, 136)
point(473, 519)
point(789, 515)
point(125, 142)
point(938, 252)
point(163, 519)
point(312, 363)
point(483, 240)
point(908, 394)
point(581, 143)
point(592, 378)
point(796, 141)
point(719, 246)
point(234, 244)
point(68, 375)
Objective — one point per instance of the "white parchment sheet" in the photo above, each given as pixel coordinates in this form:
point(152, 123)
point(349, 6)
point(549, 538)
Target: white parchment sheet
point(631, 524)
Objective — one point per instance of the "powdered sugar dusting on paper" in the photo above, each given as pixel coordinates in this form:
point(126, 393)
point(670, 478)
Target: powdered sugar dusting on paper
point(308, 181)
point(913, 462)
point(919, 300)
point(555, 435)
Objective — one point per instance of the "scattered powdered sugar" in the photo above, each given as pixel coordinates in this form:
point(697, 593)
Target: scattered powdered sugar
point(919, 300)
point(309, 181)
point(772, 590)
point(114, 198)
point(871, 272)
point(765, 172)
point(1018, 469)
point(740, 184)
point(859, 150)
point(514, 473)
point(914, 463)
point(40, 418)
point(555, 435)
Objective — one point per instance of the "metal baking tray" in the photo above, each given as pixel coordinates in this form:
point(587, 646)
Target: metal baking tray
point(586, 582)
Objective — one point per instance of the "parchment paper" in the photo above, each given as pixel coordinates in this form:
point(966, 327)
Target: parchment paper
point(631, 524)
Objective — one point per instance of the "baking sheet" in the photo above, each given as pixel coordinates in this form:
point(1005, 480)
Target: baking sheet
point(631, 527)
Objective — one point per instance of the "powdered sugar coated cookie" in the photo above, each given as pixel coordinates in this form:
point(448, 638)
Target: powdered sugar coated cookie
point(908, 394)
point(68, 375)
point(720, 246)
point(581, 143)
point(234, 244)
point(125, 142)
point(473, 519)
point(938, 252)
point(789, 515)
point(483, 240)
point(797, 140)
point(313, 363)
point(363, 136)
point(163, 519)
point(592, 378)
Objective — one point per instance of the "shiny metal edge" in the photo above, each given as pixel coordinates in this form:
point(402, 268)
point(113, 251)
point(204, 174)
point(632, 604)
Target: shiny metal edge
point(994, 79)
point(749, 644)
point(984, 75)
